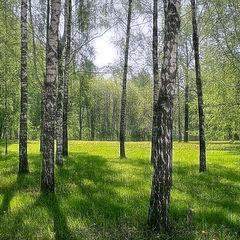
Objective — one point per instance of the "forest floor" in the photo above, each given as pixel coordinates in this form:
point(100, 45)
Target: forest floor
point(99, 196)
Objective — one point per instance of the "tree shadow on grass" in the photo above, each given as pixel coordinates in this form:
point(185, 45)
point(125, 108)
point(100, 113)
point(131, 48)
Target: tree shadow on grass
point(90, 177)
point(102, 196)
point(215, 194)
point(228, 147)
point(50, 202)
point(8, 193)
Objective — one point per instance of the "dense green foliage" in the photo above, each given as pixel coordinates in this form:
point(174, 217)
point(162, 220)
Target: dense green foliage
point(99, 196)
point(98, 91)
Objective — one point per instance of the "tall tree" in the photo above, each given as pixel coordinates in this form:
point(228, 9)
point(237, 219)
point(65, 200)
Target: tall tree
point(155, 73)
point(158, 215)
point(186, 100)
point(47, 178)
point(23, 158)
point(5, 80)
point(59, 114)
point(179, 111)
point(43, 88)
point(202, 157)
point(36, 68)
point(66, 78)
point(124, 85)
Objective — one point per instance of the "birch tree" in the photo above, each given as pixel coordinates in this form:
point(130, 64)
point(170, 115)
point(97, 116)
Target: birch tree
point(158, 215)
point(124, 85)
point(155, 72)
point(23, 158)
point(59, 114)
point(47, 178)
point(202, 157)
point(66, 78)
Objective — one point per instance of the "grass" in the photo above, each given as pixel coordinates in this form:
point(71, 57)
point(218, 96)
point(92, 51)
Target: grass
point(99, 196)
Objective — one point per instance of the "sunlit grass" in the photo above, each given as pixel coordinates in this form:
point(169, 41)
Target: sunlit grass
point(99, 196)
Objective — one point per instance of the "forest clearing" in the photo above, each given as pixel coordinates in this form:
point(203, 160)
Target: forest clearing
point(99, 196)
point(119, 119)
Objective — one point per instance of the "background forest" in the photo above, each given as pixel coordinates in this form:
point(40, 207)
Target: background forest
point(174, 82)
point(95, 93)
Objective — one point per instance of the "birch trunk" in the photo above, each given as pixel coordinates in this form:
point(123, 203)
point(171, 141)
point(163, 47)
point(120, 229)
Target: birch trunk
point(59, 113)
point(124, 86)
point(47, 178)
point(158, 215)
point(5, 81)
point(179, 112)
point(202, 157)
point(43, 88)
point(66, 77)
point(155, 73)
point(186, 109)
point(23, 158)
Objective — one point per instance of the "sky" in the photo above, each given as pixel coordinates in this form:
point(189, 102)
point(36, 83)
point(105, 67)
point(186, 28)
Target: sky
point(105, 53)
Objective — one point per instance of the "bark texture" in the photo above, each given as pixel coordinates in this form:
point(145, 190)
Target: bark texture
point(42, 116)
point(59, 113)
point(6, 107)
point(66, 77)
point(124, 86)
point(5, 81)
point(47, 178)
point(158, 215)
point(80, 122)
point(179, 112)
point(23, 158)
point(202, 157)
point(92, 124)
point(36, 71)
point(155, 73)
point(186, 111)
point(43, 88)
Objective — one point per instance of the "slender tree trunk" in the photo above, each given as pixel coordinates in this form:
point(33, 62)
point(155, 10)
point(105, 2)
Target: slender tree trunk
point(59, 114)
point(80, 122)
point(42, 116)
point(92, 124)
point(202, 158)
point(124, 86)
point(47, 179)
point(66, 78)
point(5, 82)
point(114, 119)
point(186, 110)
point(155, 73)
point(158, 216)
point(179, 113)
point(1, 130)
point(80, 109)
point(43, 87)
point(186, 114)
point(6, 109)
point(23, 158)
point(36, 72)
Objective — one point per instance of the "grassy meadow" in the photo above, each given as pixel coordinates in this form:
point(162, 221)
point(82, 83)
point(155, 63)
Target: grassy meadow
point(99, 196)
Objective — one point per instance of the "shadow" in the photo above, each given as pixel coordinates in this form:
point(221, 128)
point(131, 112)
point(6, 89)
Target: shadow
point(215, 193)
point(50, 202)
point(8, 193)
point(95, 183)
point(230, 148)
point(3, 156)
point(101, 198)
point(224, 143)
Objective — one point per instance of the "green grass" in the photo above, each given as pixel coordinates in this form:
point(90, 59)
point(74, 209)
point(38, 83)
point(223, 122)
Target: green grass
point(99, 196)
